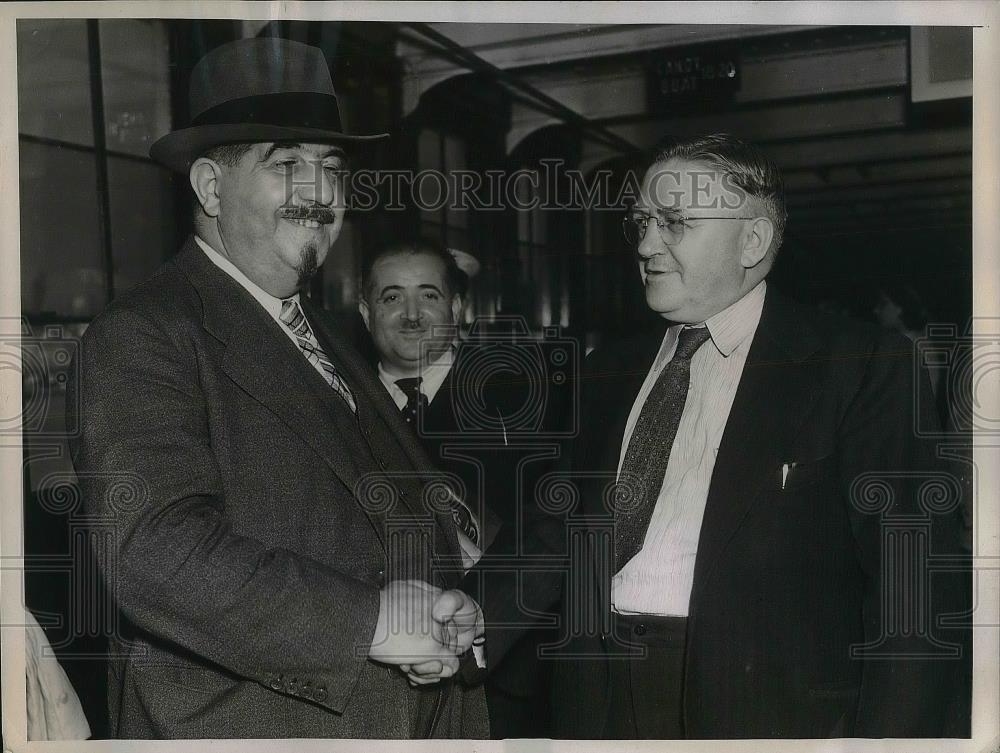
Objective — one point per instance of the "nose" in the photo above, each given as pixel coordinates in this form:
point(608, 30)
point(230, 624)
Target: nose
point(651, 243)
point(316, 184)
point(411, 311)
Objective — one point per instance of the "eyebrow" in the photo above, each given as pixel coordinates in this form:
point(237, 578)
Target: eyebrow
point(661, 211)
point(424, 286)
point(333, 151)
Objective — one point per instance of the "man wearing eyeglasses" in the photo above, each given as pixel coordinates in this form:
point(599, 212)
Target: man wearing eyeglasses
point(759, 457)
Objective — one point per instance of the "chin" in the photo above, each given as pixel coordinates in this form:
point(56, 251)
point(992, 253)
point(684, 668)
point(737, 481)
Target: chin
point(662, 302)
point(408, 353)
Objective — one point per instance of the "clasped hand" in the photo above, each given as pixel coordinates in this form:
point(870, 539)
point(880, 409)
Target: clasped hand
point(423, 629)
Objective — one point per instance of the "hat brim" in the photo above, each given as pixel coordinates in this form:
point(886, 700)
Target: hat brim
point(177, 150)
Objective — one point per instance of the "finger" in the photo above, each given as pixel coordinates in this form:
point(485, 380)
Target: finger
point(431, 672)
point(450, 666)
point(422, 585)
point(447, 604)
point(418, 680)
point(426, 668)
point(445, 636)
point(453, 636)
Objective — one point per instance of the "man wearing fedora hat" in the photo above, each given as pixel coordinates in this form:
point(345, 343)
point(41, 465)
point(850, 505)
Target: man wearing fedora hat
point(275, 542)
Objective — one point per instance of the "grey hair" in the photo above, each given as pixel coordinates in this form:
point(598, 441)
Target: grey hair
point(745, 164)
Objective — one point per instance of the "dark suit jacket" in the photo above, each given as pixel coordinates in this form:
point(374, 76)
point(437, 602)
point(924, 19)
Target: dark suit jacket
point(244, 532)
point(499, 434)
point(788, 581)
point(473, 429)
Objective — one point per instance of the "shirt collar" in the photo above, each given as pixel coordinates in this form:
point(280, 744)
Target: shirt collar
point(432, 375)
point(271, 304)
point(737, 322)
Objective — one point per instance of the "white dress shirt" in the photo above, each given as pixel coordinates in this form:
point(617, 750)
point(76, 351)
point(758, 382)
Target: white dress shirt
point(271, 304)
point(658, 579)
point(432, 377)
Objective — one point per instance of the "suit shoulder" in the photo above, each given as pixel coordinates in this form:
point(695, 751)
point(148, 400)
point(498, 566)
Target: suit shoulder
point(841, 333)
point(163, 301)
point(639, 348)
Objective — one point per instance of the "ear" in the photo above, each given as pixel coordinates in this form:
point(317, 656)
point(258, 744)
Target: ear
point(364, 311)
point(457, 304)
point(205, 175)
point(756, 242)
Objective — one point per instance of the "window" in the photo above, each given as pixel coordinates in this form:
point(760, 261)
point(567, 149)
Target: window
point(97, 215)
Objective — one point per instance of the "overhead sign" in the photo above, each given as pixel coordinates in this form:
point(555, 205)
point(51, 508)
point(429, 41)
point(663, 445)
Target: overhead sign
point(707, 74)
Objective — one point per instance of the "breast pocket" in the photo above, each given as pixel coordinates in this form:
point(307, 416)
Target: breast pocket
point(795, 475)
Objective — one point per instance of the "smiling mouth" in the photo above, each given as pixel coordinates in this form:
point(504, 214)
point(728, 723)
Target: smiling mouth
point(309, 217)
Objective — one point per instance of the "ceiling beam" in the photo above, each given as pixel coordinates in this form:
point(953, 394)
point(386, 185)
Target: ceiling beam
point(876, 161)
point(899, 224)
point(861, 176)
point(850, 147)
point(934, 187)
point(927, 205)
point(549, 105)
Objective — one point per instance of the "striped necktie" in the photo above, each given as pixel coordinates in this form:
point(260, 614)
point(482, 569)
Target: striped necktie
point(292, 317)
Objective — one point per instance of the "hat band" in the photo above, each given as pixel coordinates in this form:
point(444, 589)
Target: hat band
point(289, 110)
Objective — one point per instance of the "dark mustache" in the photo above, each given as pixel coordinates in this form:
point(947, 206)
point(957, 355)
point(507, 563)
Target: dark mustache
point(321, 214)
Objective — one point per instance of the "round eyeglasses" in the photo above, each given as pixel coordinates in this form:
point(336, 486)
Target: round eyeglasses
point(671, 229)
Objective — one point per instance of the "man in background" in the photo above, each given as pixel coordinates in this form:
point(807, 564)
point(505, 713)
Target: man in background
point(463, 400)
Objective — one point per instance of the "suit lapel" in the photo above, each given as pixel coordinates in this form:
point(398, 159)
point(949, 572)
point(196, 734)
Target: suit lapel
point(373, 397)
point(775, 392)
point(610, 390)
point(438, 414)
point(265, 363)
point(609, 408)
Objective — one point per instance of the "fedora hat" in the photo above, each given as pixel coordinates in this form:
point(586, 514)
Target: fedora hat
point(256, 90)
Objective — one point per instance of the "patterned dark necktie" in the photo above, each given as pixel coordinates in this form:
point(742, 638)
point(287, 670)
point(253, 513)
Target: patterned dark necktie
point(645, 462)
point(292, 317)
point(462, 516)
point(415, 399)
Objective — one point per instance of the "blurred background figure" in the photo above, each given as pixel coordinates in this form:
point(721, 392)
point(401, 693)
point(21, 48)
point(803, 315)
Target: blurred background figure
point(901, 309)
point(54, 710)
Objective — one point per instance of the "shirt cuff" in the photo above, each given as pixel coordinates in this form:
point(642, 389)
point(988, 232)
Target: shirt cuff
point(479, 653)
